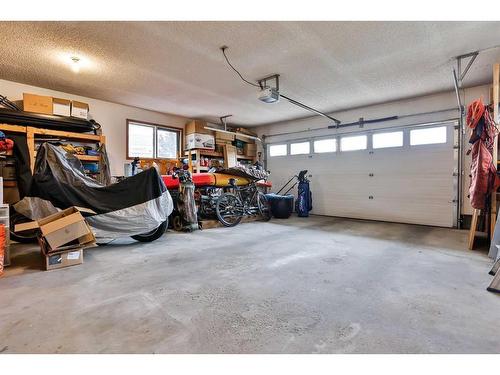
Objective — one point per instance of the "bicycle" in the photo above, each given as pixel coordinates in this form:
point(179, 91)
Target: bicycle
point(241, 201)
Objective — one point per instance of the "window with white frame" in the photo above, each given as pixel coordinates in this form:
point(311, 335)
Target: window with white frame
point(300, 148)
point(152, 141)
point(428, 136)
point(353, 143)
point(277, 150)
point(325, 145)
point(388, 139)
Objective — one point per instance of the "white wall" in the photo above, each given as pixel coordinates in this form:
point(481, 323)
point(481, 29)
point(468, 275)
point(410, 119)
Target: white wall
point(111, 116)
point(402, 107)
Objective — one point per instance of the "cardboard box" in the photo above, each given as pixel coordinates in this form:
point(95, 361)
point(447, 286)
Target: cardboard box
point(79, 110)
point(224, 136)
point(250, 149)
point(230, 156)
point(62, 231)
point(61, 259)
point(198, 127)
point(37, 104)
point(197, 140)
point(61, 107)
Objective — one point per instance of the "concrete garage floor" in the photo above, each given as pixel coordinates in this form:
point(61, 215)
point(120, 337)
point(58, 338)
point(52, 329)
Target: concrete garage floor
point(317, 285)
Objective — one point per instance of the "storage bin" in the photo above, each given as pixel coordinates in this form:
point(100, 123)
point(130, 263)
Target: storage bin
point(281, 205)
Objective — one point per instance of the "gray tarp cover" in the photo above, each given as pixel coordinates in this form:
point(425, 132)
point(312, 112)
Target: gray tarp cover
point(133, 206)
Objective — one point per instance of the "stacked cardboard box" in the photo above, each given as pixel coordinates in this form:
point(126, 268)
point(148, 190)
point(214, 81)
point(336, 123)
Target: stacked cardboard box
point(62, 237)
point(53, 106)
point(199, 137)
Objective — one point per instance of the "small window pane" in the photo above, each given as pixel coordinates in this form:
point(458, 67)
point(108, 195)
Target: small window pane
point(392, 139)
point(166, 143)
point(299, 148)
point(428, 136)
point(277, 150)
point(353, 143)
point(140, 141)
point(325, 145)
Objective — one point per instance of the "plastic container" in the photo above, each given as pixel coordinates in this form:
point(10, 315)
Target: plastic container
point(91, 167)
point(281, 205)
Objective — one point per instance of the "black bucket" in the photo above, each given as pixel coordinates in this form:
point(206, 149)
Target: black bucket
point(281, 205)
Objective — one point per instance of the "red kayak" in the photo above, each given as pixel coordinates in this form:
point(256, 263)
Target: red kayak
point(210, 179)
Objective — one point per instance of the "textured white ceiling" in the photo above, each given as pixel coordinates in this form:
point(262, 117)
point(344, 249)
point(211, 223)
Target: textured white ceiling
point(177, 67)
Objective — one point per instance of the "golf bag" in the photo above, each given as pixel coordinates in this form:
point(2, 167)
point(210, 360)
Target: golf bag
point(303, 204)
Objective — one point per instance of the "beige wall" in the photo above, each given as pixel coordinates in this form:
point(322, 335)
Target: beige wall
point(111, 116)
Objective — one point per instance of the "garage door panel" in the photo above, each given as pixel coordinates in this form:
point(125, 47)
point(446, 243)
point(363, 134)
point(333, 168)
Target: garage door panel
point(428, 185)
point(431, 212)
point(409, 184)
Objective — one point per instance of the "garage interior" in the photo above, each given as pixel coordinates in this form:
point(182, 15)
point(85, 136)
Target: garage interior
point(153, 198)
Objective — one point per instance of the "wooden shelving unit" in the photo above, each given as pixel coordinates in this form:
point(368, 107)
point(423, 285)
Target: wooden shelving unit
point(33, 136)
point(195, 166)
point(88, 158)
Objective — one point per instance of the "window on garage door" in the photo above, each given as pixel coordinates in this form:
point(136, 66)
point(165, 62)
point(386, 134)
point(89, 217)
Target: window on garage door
point(428, 136)
point(325, 145)
point(353, 143)
point(300, 148)
point(388, 139)
point(277, 150)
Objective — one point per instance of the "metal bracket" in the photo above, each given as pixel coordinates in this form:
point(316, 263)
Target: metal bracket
point(462, 74)
point(459, 75)
point(223, 121)
point(263, 81)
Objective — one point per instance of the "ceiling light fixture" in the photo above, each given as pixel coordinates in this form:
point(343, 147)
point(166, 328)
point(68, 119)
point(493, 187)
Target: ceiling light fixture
point(75, 65)
point(224, 124)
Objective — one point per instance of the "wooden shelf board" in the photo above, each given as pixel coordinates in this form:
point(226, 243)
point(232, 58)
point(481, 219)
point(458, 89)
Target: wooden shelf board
point(205, 153)
point(63, 134)
point(245, 157)
point(87, 157)
point(84, 157)
point(13, 128)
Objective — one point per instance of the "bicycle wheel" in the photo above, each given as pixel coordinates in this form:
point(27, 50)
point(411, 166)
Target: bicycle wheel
point(263, 206)
point(229, 209)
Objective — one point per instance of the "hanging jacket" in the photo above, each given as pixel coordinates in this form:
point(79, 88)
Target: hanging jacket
point(484, 178)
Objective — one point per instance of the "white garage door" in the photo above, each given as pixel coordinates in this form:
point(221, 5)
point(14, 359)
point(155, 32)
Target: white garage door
point(398, 175)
